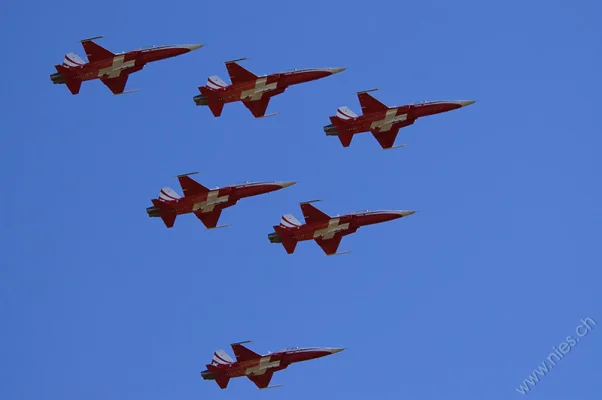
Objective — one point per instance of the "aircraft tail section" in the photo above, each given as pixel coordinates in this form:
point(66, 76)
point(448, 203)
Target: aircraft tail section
point(343, 117)
point(345, 114)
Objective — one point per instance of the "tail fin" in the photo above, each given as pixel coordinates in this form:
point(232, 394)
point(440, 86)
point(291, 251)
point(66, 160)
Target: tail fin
point(168, 195)
point(72, 60)
point(344, 115)
point(215, 83)
point(287, 240)
point(169, 218)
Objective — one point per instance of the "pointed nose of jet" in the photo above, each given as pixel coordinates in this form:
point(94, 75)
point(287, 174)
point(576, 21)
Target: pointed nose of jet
point(285, 184)
point(336, 70)
point(336, 350)
point(405, 213)
point(465, 103)
point(192, 47)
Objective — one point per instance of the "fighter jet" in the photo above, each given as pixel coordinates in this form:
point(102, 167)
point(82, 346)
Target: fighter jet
point(112, 69)
point(327, 231)
point(258, 368)
point(254, 91)
point(384, 122)
point(206, 204)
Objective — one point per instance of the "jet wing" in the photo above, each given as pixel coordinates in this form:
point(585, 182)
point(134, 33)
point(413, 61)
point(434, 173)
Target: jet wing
point(258, 107)
point(370, 104)
point(387, 138)
point(239, 74)
point(243, 354)
point(190, 187)
point(209, 219)
point(95, 52)
point(116, 85)
point(262, 381)
point(330, 246)
point(312, 214)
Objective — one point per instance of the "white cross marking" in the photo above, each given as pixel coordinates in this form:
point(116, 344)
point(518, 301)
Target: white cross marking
point(332, 228)
point(115, 69)
point(264, 365)
point(390, 118)
point(209, 204)
point(259, 89)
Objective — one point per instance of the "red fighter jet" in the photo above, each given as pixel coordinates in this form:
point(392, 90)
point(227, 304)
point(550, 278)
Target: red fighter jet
point(384, 122)
point(206, 204)
point(254, 91)
point(258, 368)
point(327, 231)
point(112, 69)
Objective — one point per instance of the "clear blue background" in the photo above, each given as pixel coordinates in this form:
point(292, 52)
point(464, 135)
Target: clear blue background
point(462, 299)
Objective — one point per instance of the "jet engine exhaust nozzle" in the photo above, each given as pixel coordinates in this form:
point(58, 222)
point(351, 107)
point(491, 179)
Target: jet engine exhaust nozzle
point(201, 100)
point(274, 238)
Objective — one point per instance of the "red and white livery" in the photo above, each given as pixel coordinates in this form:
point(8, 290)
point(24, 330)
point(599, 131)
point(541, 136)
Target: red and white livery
point(206, 204)
point(254, 91)
point(382, 121)
point(327, 231)
point(258, 368)
point(112, 69)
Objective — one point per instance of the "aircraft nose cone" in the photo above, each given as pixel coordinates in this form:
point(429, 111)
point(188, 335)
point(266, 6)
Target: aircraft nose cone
point(192, 47)
point(336, 350)
point(336, 70)
point(286, 184)
point(405, 213)
point(465, 103)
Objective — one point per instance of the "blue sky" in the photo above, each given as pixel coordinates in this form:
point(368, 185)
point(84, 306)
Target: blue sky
point(463, 299)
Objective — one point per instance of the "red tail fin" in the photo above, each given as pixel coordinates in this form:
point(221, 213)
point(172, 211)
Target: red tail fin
point(288, 241)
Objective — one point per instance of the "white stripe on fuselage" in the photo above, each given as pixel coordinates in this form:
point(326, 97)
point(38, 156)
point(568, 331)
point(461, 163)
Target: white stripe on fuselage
point(390, 118)
point(259, 89)
point(209, 204)
point(332, 228)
